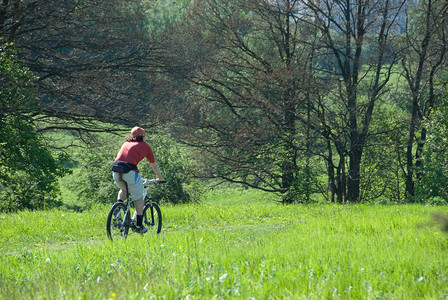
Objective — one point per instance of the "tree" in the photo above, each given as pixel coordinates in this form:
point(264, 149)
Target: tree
point(433, 181)
point(283, 81)
point(381, 168)
point(249, 83)
point(356, 38)
point(424, 52)
point(95, 60)
point(28, 177)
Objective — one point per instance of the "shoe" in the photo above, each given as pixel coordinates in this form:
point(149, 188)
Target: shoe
point(141, 229)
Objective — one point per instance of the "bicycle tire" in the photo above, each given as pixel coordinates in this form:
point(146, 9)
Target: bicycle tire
point(152, 216)
point(115, 227)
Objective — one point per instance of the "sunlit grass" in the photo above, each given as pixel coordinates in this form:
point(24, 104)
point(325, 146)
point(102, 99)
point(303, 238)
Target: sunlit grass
point(234, 245)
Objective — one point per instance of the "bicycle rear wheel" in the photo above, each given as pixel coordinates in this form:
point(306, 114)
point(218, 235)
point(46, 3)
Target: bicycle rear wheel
point(116, 228)
point(152, 217)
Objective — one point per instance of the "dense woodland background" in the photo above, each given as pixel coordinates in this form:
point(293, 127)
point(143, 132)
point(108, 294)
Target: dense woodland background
point(330, 100)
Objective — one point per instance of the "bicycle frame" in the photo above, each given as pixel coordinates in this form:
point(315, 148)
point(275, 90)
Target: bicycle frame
point(129, 201)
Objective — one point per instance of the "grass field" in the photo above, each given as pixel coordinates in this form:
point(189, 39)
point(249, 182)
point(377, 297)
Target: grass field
point(236, 244)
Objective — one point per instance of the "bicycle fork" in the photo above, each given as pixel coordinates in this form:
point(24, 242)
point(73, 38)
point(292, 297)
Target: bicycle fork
point(126, 223)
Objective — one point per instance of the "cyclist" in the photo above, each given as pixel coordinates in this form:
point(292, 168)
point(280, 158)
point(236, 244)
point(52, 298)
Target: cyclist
point(131, 153)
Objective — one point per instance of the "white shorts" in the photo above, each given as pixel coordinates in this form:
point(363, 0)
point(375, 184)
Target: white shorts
point(134, 181)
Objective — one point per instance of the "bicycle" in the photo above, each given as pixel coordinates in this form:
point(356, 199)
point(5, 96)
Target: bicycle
point(119, 219)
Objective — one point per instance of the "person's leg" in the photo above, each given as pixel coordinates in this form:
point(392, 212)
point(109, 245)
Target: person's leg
point(122, 194)
point(118, 178)
point(135, 185)
point(139, 211)
point(139, 204)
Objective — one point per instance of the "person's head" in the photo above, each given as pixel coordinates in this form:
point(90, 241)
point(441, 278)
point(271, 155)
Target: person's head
point(137, 134)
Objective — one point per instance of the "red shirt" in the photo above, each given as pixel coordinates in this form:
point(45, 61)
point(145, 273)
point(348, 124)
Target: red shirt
point(134, 152)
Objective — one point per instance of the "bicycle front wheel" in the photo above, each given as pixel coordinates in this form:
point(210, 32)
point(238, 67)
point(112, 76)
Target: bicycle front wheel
point(152, 217)
point(116, 227)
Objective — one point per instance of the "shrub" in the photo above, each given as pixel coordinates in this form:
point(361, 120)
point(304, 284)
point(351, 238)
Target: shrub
point(433, 181)
point(91, 182)
point(176, 169)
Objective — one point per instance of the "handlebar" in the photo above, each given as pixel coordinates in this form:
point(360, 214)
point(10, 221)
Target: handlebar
point(146, 180)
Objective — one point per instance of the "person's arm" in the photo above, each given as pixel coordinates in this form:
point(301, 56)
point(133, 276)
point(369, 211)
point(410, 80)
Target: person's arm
point(155, 168)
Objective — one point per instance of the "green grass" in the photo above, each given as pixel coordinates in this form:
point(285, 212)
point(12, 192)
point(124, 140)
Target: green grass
point(234, 245)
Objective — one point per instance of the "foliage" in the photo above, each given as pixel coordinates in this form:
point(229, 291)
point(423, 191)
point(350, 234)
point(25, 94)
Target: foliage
point(274, 82)
point(381, 175)
point(91, 181)
point(306, 185)
point(29, 172)
point(17, 83)
point(248, 247)
point(433, 183)
point(423, 59)
point(94, 59)
point(28, 176)
point(274, 92)
point(164, 14)
point(247, 75)
point(175, 165)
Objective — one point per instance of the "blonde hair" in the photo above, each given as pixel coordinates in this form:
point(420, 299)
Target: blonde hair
point(131, 138)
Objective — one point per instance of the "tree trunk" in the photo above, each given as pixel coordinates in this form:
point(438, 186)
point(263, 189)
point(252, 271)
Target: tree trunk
point(341, 181)
point(330, 171)
point(410, 186)
point(355, 153)
point(353, 180)
point(289, 165)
